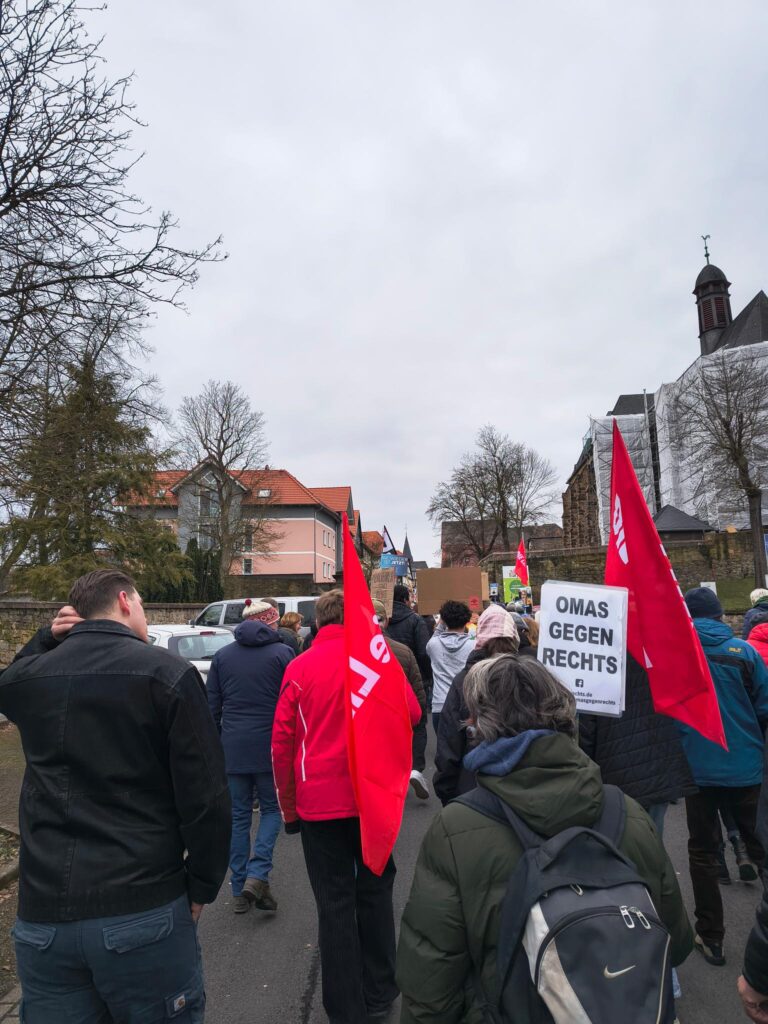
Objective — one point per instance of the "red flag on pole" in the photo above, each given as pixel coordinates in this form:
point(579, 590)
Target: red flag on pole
point(521, 564)
point(660, 631)
point(379, 723)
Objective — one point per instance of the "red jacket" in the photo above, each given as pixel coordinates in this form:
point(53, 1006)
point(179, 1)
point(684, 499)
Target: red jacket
point(758, 638)
point(309, 736)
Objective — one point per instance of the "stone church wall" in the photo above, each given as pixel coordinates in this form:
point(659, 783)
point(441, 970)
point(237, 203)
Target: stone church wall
point(717, 556)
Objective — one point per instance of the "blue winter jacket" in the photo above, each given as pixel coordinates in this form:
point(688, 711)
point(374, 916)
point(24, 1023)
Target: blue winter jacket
point(243, 686)
point(741, 683)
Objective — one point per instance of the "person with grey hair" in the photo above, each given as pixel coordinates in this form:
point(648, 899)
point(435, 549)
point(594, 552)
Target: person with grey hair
point(525, 723)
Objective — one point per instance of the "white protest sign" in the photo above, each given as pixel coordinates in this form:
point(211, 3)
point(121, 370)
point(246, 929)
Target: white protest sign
point(583, 641)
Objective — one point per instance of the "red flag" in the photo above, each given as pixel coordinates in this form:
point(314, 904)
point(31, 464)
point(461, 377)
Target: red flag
point(379, 729)
point(660, 631)
point(521, 564)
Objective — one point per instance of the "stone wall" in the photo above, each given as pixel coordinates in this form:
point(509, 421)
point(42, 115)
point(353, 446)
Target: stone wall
point(20, 620)
point(718, 556)
point(276, 586)
point(580, 518)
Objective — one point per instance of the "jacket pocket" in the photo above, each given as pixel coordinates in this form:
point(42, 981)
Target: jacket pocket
point(38, 935)
point(188, 1005)
point(122, 938)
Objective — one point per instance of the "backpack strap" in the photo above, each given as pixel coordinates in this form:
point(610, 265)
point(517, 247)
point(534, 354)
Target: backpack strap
point(613, 817)
point(492, 806)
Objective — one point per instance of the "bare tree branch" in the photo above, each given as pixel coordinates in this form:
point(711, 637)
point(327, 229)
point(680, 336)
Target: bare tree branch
point(723, 406)
point(218, 431)
point(502, 486)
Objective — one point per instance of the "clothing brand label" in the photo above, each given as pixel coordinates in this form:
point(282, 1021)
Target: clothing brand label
point(617, 974)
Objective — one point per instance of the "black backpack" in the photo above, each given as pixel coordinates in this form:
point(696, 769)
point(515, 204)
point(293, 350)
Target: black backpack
point(580, 941)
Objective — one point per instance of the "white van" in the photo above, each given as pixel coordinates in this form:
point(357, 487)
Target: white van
point(230, 613)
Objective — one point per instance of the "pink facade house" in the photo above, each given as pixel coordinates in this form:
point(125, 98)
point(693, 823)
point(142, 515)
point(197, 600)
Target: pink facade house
point(305, 550)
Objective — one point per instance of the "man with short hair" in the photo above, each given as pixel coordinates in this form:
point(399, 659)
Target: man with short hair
point(317, 798)
point(124, 814)
point(727, 779)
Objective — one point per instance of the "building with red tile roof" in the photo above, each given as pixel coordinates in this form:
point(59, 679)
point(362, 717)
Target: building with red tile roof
point(305, 522)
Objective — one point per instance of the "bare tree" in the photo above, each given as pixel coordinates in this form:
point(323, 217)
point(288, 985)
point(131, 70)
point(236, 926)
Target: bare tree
point(723, 407)
point(81, 256)
point(220, 435)
point(532, 493)
point(502, 486)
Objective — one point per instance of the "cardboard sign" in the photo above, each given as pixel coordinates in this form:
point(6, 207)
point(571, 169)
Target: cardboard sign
point(383, 588)
point(583, 641)
point(436, 586)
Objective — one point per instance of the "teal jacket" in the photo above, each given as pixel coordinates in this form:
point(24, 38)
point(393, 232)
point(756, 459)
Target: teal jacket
point(741, 683)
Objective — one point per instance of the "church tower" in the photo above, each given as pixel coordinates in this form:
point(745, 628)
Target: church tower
point(714, 304)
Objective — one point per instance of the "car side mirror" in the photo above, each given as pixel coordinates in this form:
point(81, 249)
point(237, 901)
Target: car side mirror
point(191, 622)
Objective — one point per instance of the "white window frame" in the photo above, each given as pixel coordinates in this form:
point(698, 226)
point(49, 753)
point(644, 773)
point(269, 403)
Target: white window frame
point(248, 572)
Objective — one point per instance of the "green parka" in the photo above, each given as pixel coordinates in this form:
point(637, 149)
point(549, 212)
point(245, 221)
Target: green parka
point(451, 923)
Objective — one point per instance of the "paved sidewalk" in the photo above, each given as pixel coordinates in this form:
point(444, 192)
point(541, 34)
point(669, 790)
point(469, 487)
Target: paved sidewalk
point(9, 1006)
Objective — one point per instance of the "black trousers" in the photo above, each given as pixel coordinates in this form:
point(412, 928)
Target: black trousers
point(704, 838)
point(419, 745)
point(356, 919)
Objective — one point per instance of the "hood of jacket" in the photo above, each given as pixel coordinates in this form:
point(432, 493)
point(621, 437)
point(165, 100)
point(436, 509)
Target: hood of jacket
point(553, 786)
point(759, 633)
point(453, 642)
point(253, 633)
point(475, 655)
point(400, 611)
point(712, 632)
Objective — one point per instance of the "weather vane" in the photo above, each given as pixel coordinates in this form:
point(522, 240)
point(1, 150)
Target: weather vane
point(706, 250)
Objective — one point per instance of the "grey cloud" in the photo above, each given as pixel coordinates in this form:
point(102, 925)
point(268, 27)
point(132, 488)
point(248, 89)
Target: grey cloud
point(441, 214)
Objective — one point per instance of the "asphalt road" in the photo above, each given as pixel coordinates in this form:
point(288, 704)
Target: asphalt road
point(265, 970)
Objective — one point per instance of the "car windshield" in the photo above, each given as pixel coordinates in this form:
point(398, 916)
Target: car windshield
point(200, 647)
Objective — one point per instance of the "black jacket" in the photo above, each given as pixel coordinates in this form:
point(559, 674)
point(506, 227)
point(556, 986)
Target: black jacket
point(124, 774)
point(408, 628)
point(290, 638)
point(453, 742)
point(640, 752)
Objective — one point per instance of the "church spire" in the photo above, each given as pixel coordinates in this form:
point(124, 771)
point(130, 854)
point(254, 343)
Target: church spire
point(714, 303)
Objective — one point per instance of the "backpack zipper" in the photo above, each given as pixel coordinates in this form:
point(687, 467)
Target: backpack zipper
point(578, 915)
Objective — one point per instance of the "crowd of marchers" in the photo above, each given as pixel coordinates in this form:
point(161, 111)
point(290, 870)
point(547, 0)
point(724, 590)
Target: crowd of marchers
point(542, 891)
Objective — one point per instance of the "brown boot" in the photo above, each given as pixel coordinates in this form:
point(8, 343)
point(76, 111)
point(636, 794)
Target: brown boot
point(257, 891)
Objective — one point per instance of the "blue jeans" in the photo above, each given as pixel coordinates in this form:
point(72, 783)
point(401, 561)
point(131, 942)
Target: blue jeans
point(137, 968)
point(657, 813)
point(242, 863)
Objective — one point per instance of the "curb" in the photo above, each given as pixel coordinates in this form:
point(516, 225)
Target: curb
point(10, 874)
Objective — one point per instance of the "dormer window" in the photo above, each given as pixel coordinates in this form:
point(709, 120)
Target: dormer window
point(265, 492)
point(161, 493)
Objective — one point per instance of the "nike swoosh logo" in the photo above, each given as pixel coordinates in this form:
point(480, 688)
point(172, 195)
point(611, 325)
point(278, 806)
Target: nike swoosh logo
point(617, 974)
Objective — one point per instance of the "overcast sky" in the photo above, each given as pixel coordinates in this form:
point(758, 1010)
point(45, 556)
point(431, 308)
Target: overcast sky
point(441, 214)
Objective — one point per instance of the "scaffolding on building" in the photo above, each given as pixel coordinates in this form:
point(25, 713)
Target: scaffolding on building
point(635, 430)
